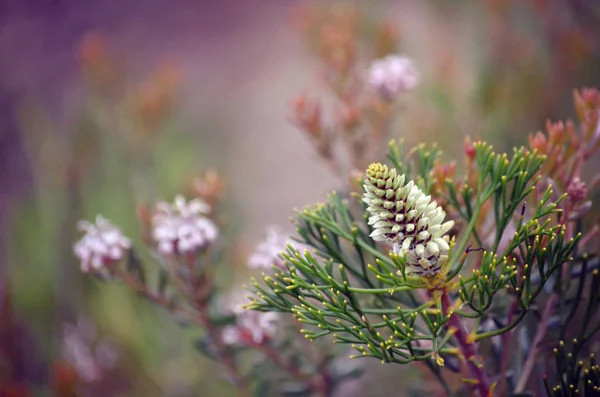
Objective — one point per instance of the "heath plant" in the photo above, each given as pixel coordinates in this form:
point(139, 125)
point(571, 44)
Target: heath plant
point(183, 237)
point(490, 277)
point(482, 272)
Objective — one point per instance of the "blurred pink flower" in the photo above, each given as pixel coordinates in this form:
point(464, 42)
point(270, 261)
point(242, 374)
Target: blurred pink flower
point(268, 252)
point(182, 227)
point(102, 243)
point(79, 348)
point(392, 75)
point(251, 327)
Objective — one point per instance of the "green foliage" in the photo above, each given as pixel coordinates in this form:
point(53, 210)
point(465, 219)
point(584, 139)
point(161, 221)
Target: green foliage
point(574, 377)
point(346, 286)
point(540, 246)
point(424, 163)
point(575, 371)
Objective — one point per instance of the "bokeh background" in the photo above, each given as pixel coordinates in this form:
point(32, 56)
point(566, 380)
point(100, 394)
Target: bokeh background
point(107, 104)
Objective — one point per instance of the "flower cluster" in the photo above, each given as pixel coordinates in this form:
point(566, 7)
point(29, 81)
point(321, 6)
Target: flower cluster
point(392, 75)
point(251, 327)
point(102, 244)
point(268, 252)
point(183, 227)
point(89, 359)
point(407, 219)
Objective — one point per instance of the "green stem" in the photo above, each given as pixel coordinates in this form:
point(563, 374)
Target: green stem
point(459, 249)
point(502, 330)
point(348, 236)
point(317, 382)
point(376, 291)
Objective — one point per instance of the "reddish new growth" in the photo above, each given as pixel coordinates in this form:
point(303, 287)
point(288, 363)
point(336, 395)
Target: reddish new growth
point(567, 144)
point(365, 91)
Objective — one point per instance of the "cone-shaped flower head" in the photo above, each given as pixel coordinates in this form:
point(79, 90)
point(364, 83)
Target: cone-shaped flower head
point(407, 219)
point(182, 227)
point(102, 244)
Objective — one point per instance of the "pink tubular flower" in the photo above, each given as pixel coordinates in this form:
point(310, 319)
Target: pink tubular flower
point(392, 75)
point(182, 227)
point(268, 252)
point(251, 327)
point(102, 244)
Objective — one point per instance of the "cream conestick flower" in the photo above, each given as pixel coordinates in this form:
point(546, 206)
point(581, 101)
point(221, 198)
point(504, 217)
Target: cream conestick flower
point(407, 219)
point(182, 227)
point(392, 75)
point(102, 244)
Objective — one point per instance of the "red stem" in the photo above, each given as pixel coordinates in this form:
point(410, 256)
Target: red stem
point(201, 318)
point(467, 348)
point(222, 350)
point(539, 335)
point(318, 385)
point(161, 300)
point(506, 350)
point(195, 293)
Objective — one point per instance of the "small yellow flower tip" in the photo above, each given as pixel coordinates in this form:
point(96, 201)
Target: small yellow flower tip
point(471, 338)
point(493, 389)
point(438, 359)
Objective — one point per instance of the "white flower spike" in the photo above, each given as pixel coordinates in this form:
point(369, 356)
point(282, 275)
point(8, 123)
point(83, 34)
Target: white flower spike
point(407, 219)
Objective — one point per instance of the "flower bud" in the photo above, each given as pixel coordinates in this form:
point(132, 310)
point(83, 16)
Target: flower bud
point(349, 117)
point(538, 141)
point(577, 190)
point(307, 114)
point(209, 187)
point(469, 149)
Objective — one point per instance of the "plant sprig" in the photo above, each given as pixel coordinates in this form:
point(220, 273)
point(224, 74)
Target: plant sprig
point(347, 286)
